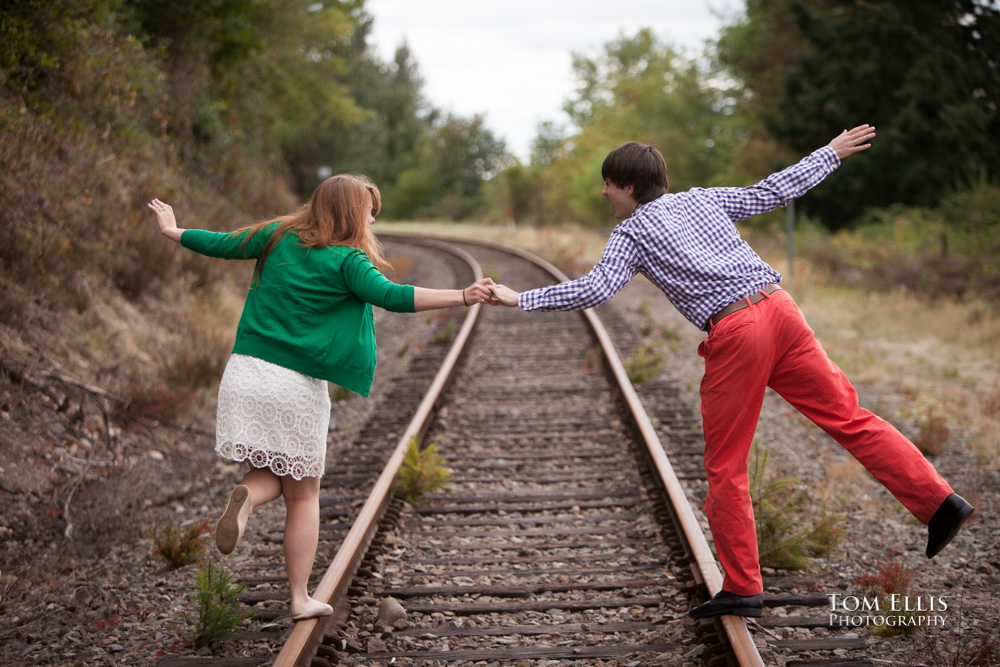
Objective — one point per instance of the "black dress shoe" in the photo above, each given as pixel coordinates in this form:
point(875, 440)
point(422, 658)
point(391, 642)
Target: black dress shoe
point(946, 522)
point(727, 603)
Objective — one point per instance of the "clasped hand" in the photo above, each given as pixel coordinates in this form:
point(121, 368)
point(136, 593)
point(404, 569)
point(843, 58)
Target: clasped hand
point(486, 291)
point(504, 296)
point(480, 291)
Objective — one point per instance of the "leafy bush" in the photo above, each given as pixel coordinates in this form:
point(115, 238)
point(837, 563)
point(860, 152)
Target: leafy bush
point(952, 250)
point(422, 471)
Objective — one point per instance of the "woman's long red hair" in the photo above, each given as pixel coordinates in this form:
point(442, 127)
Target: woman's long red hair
point(335, 215)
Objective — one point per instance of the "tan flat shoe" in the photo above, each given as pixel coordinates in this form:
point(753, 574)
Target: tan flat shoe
point(302, 611)
point(229, 530)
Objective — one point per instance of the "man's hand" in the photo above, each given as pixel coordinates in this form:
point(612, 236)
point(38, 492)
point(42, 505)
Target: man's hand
point(853, 141)
point(504, 296)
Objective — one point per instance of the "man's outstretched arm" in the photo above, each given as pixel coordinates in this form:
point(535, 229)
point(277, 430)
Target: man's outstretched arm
point(778, 189)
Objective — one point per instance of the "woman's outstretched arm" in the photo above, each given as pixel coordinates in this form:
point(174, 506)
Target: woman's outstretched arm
point(433, 299)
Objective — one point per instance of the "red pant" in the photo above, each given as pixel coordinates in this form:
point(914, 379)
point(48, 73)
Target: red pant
point(769, 344)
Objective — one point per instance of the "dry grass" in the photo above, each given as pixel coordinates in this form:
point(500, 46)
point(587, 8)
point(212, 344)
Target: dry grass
point(209, 332)
point(941, 357)
point(845, 479)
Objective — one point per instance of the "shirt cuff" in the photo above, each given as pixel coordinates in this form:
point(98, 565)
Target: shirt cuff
point(525, 300)
point(828, 156)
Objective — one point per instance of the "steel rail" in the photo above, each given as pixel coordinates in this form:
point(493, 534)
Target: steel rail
point(736, 630)
point(301, 644)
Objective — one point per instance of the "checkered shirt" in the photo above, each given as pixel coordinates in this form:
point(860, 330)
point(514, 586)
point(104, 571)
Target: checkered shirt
point(687, 245)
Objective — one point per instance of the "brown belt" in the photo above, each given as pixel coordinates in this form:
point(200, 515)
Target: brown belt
point(741, 304)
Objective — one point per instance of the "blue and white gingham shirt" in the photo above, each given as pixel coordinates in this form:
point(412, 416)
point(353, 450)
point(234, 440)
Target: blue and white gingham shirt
point(687, 245)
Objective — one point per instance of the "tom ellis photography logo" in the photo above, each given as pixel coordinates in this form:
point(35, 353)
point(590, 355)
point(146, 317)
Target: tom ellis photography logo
point(893, 610)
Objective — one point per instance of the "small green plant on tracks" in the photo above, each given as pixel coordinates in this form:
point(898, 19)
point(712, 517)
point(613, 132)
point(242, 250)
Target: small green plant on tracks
point(179, 545)
point(422, 471)
point(644, 364)
point(785, 539)
point(218, 606)
point(445, 334)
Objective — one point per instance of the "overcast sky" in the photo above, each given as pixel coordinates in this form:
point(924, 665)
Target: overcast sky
point(511, 60)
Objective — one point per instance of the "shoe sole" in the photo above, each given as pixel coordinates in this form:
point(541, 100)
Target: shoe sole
point(963, 516)
point(227, 531)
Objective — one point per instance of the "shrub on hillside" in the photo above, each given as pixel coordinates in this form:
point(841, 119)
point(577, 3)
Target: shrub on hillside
point(950, 251)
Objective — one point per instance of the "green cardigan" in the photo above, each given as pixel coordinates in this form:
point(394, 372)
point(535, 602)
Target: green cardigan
point(312, 308)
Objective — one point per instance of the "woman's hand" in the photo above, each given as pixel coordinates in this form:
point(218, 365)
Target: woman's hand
point(479, 292)
point(165, 219)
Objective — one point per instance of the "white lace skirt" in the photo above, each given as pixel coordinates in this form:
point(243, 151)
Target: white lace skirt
point(272, 417)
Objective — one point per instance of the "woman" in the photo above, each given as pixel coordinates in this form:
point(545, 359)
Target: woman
point(307, 320)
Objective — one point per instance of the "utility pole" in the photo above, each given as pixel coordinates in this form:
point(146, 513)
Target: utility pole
point(790, 233)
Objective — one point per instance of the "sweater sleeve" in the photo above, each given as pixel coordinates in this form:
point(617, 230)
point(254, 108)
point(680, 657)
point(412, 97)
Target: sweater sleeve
point(224, 245)
point(369, 285)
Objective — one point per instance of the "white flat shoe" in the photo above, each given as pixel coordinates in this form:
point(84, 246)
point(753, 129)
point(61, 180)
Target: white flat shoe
point(229, 530)
point(302, 611)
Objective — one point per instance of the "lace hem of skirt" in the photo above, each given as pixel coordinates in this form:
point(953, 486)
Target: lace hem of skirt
point(278, 463)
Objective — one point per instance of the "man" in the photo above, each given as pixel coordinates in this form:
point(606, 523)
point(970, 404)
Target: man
point(688, 246)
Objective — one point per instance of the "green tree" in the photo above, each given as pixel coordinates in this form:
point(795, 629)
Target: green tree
point(640, 89)
point(425, 163)
point(387, 140)
point(465, 153)
point(924, 73)
point(247, 77)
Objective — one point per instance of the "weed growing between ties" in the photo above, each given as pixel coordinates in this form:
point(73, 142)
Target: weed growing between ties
point(422, 471)
point(179, 546)
point(784, 538)
point(443, 335)
point(644, 364)
point(891, 585)
point(218, 606)
point(405, 347)
point(593, 361)
point(447, 334)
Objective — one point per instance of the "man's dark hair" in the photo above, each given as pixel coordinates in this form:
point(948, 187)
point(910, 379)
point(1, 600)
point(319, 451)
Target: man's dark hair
point(638, 165)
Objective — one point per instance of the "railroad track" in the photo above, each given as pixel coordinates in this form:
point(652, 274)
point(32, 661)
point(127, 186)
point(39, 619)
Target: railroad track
point(565, 534)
